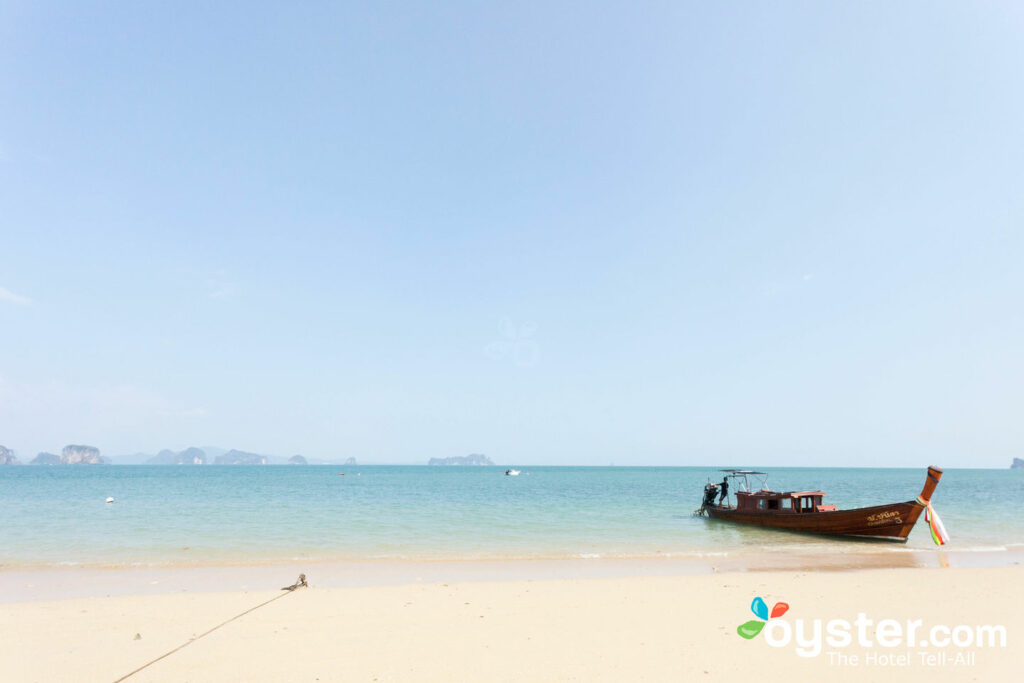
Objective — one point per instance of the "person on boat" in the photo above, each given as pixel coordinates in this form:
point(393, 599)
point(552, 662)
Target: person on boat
point(724, 490)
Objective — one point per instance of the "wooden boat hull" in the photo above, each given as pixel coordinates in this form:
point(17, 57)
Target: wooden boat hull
point(885, 522)
point(892, 522)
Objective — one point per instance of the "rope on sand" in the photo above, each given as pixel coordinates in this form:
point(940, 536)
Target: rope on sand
point(301, 583)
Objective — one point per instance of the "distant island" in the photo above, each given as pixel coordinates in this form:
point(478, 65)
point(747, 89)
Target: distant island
point(82, 455)
point(71, 455)
point(471, 459)
point(234, 457)
point(7, 457)
point(77, 454)
point(189, 456)
point(197, 456)
point(1018, 464)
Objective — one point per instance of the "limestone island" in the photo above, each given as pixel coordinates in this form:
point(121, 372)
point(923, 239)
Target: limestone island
point(81, 455)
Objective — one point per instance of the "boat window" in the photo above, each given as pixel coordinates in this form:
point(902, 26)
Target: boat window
point(760, 504)
point(817, 500)
point(808, 503)
point(773, 504)
point(787, 503)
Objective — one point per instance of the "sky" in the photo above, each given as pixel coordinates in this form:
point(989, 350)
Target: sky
point(565, 233)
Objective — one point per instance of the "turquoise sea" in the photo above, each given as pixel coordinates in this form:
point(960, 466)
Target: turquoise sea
point(210, 515)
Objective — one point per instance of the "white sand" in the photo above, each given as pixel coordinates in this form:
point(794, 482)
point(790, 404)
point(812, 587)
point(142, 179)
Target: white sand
point(659, 628)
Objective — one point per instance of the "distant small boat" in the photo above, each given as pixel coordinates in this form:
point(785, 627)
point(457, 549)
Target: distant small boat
point(511, 473)
point(804, 511)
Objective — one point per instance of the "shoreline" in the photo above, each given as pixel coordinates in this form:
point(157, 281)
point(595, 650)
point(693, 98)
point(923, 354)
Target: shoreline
point(807, 546)
point(22, 584)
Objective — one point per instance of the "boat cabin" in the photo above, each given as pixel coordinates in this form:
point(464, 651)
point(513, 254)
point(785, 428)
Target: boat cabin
point(796, 502)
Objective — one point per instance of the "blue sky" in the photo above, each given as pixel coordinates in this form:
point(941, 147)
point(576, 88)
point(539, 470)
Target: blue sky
point(554, 233)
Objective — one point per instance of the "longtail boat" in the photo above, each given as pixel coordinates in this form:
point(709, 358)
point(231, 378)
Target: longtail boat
point(803, 511)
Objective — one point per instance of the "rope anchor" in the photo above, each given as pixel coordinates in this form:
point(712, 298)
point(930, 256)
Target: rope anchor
point(301, 583)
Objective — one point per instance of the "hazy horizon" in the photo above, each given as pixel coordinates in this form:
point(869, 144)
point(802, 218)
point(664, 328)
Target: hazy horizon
point(554, 233)
point(127, 459)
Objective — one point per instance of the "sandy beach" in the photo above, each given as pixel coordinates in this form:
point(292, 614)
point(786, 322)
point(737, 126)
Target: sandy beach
point(653, 628)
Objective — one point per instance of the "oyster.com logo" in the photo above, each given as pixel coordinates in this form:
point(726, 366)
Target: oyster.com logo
point(884, 642)
point(760, 609)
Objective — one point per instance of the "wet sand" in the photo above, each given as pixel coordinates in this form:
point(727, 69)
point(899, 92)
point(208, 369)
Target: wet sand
point(48, 583)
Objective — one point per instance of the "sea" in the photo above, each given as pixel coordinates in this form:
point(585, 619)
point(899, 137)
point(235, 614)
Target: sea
point(166, 516)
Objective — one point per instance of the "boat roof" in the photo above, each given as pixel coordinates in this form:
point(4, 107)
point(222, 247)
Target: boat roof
point(743, 471)
point(791, 494)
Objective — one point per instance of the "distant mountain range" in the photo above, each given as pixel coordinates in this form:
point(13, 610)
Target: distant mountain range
point(189, 456)
point(170, 457)
point(71, 455)
point(471, 459)
point(215, 455)
point(234, 457)
point(200, 455)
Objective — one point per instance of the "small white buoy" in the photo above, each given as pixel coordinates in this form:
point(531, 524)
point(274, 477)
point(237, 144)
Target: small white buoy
point(110, 500)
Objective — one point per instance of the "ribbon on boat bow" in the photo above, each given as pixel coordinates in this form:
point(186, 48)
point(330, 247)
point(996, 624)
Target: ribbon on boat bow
point(939, 534)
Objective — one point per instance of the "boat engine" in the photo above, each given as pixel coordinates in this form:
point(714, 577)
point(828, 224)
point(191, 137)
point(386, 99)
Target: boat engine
point(710, 492)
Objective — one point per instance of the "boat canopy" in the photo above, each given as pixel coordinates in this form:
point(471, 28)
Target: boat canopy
point(742, 477)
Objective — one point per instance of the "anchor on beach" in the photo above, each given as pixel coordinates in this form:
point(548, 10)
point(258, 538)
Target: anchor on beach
point(300, 583)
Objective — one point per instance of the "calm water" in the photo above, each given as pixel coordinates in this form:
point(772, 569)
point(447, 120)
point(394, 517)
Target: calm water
point(55, 516)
